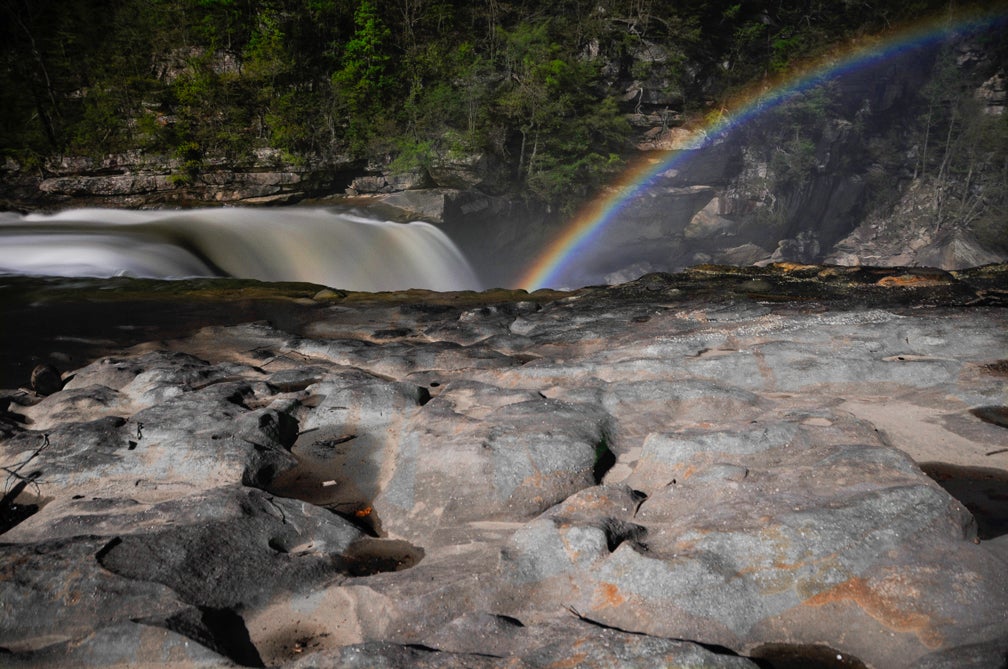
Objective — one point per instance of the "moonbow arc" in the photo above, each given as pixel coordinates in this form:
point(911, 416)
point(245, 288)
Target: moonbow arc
point(548, 269)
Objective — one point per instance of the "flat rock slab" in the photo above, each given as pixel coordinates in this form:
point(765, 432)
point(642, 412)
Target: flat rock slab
point(723, 468)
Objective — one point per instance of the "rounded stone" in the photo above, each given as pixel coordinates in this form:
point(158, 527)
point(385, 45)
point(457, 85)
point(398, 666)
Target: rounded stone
point(46, 380)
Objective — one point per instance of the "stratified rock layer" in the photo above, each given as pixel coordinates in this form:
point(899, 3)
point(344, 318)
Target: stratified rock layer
point(706, 470)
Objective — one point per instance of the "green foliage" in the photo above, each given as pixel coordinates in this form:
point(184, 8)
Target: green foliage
point(784, 48)
point(964, 155)
point(363, 84)
point(794, 130)
point(411, 83)
point(569, 137)
point(412, 156)
point(217, 23)
point(191, 163)
point(99, 125)
point(794, 162)
point(264, 58)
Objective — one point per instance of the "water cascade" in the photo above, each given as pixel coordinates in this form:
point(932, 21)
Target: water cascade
point(323, 246)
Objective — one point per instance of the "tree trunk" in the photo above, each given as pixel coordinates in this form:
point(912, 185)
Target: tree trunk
point(942, 185)
point(521, 154)
point(535, 149)
point(927, 137)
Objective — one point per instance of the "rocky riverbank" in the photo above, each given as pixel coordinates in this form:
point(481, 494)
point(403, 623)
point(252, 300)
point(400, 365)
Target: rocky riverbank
point(719, 468)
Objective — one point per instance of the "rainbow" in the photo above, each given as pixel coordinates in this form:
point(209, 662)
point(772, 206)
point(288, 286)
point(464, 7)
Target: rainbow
point(588, 224)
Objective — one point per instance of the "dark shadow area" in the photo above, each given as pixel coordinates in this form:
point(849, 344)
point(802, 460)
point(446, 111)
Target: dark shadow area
point(982, 490)
point(992, 414)
point(996, 368)
point(219, 629)
point(334, 471)
point(17, 505)
point(617, 531)
point(231, 636)
point(69, 322)
point(604, 460)
point(803, 656)
point(372, 556)
point(13, 514)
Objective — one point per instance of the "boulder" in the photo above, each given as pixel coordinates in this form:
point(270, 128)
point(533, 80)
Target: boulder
point(46, 379)
point(464, 459)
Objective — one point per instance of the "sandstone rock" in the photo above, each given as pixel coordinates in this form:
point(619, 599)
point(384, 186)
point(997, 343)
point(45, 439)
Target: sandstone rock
point(464, 459)
point(134, 644)
point(671, 139)
point(651, 574)
point(956, 251)
point(482, 171)
point(369, 184)
point(993, 94)
point(425, 204)
point(573, 643)
point(746, 254)
point(709, 223)
point(707, 469)
point(247, 545)
point(54, 591)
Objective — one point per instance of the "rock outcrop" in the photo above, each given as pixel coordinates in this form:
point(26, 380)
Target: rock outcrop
point(139, 180)
point(719, 469)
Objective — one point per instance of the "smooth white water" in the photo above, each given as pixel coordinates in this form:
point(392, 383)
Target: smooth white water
point(316, 245)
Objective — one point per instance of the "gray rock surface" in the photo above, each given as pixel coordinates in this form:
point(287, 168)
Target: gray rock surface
point(654, 474)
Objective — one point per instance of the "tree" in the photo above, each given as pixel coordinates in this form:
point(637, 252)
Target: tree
point(363, 83)
point(265, 69)
point(570, 135)
point(964, 150)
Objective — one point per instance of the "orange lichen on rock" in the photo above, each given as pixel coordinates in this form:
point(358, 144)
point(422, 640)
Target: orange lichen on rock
point(683, 472)
point(883, 608)
point(913, 281)
point(610, 595)
point(788, 267)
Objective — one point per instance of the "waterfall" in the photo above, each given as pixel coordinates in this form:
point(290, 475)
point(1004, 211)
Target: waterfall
point(324, 246)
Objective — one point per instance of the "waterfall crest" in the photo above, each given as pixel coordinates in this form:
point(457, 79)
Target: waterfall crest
point(317, 245)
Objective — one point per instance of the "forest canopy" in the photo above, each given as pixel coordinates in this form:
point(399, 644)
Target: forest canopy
point(538, 85)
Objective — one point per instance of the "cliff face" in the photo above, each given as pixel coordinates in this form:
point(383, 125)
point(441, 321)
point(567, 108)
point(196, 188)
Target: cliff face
point(136, 179)
point(900, 162)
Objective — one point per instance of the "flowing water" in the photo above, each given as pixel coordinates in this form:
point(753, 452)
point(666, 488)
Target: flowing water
point(324, 246)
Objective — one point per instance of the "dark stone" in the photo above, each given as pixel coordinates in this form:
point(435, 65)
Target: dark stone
point(46, 380)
